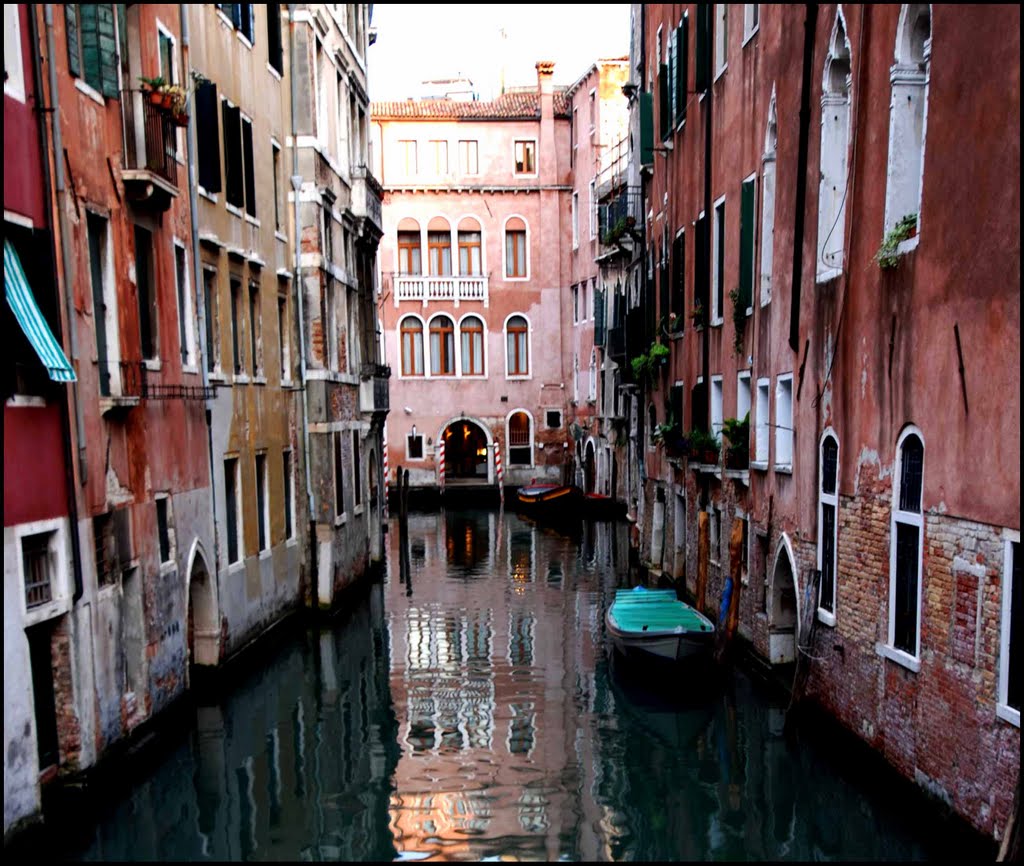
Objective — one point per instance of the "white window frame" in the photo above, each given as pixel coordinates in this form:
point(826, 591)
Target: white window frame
point(536, 157)
point(239, 515)
point(717, 407)
point(533, 438)
point(264, 518)
point(743, 391)
point(717, 315)
point(415, 434)
point(504, 249)
point(405, 150)
point(785, 440)
point(289, 491)
point(437, 146)
point(751, 21)
point(762, 422)
point(592, 382)
point(529, 346)
point(60, 573)
point(337, 435)
point(592, 209)
point(1003, 710)
point(423, 341)
point(185, 293)
point(575, 220)
point(14, 61)
point(768, 198)
point(458, 348)
point(476, 156)
point(826, 616)
point(721, 39)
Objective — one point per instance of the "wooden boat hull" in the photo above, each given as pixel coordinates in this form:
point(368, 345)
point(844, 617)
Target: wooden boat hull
point(690, 637)
point(549, 501)
point(672, 647)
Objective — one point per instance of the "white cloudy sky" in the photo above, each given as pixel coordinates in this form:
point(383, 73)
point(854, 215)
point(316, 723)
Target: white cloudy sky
point(429, 41)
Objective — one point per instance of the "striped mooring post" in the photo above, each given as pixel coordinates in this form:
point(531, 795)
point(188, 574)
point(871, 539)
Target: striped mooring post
point(440, 459)
point(387, 477)
point(498, 471)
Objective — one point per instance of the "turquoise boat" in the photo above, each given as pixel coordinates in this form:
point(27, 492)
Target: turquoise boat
point(654, 622)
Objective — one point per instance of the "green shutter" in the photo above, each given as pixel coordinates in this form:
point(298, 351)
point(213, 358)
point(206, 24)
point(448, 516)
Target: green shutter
point(747, 244)
point(646, 128)
point(683, 50)
point(107, 46)
point(703, 72)
point(599, 317)
point(89, 35)
point(71, 32)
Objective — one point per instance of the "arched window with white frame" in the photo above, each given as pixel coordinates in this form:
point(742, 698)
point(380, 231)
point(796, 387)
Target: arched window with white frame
point(409, 247)
point(410, 337)
point(439, 247)
point(833, 154)
point(592, 384)
point(520, 439)
point(517, 339)
point(771, 144)
point(516, 259)
point(906, 547)
point(471, 336)
point(470, 248)
point(828, 516)
point(442, 346)
point(908, 115)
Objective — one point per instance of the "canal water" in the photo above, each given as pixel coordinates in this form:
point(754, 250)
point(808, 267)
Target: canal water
point(475, 710)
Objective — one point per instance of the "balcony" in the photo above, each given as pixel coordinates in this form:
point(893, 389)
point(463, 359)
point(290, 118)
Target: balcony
point(620, 220)
point(150, 157)
point(448, 289)
point(374, 395)
point(367, 195)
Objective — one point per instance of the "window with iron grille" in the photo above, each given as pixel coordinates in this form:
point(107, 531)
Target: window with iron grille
point(37, 563)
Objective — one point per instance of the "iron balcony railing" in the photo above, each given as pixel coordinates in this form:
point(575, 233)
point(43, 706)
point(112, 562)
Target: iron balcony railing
point(620, 217)
point(367, 195)
point(150, 133)
point(131, 380)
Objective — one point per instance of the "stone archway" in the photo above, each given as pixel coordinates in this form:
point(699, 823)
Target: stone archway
point(589, 468)
point(466, 451)
point(372, 474)
point(784, 610)
point(203, 619)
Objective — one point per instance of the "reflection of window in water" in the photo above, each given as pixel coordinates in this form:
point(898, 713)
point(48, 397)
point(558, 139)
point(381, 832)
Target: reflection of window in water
point(521, 729)
point(532, 812)
point(478, 716)
point(555, 573)
point(478, 640)
point(467, 538)
point(520, 639)
point(452, 648)
point(520, 556)
point(421, 723)
point(417, 551)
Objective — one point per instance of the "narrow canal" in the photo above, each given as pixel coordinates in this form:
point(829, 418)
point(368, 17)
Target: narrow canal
point(476, 711)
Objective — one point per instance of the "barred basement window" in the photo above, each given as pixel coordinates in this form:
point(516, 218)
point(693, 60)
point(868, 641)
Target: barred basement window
point(828, 509)
point(520, 440)
point(163, 528)
point(414, 446)
point(907, 532)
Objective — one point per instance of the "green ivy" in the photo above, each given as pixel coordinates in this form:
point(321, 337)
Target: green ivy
point(887, 256)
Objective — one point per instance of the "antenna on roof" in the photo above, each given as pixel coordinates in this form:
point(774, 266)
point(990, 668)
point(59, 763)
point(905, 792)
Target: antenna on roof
point(501, 48)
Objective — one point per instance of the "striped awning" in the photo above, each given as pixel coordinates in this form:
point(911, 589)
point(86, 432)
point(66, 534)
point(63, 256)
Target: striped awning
point(26, 311)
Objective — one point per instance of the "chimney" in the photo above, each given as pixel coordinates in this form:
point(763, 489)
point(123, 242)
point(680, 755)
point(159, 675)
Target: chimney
point(545, 147)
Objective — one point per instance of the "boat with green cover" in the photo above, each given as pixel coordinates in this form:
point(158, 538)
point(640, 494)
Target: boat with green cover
point(655, 622)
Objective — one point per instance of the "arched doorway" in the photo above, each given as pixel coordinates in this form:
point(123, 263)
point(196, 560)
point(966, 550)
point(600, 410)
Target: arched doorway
point(589, 469)
point(465, 452)
point(203, 621)
point(782, 625)
point(374, 524)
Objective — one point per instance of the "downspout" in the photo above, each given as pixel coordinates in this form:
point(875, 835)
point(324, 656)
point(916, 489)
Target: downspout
point(810, 26)
point(709, 227)
point(197, 278)
point(65, 241)
point(65, 415)
point(297, 280)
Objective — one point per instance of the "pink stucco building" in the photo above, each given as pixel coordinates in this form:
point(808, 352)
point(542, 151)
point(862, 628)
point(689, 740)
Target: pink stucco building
point(475, 273)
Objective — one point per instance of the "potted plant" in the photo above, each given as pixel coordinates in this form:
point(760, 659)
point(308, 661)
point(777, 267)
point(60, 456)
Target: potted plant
point(658, 355)
point(703, 446)
point(154, 87)
point(697, 316)
point(737, 456)
point(739, 320)
point(888, 253)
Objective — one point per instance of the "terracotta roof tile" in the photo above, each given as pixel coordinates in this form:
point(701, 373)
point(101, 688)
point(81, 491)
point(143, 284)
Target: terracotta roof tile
point(516, 105)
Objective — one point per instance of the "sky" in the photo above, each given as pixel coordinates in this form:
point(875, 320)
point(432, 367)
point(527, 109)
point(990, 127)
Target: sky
point(430, 41)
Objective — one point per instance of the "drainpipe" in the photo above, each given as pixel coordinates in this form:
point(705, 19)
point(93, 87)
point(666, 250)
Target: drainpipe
point(197, 276)
point(709, 227)
point(65, 415)
point(297, 280)
point(65, 237)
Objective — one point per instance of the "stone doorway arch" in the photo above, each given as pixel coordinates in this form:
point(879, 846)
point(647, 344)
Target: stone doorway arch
point(464, 438)
point(784, 611)
point(203, 616)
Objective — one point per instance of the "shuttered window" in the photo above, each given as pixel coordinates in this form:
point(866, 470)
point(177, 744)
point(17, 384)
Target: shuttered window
point(250, 170)
point(664, 124)
point(747, 244)
point(92, 45)
point(208, 136)
point(599, 317)
point(646, 128)
point(673, 75)
point(700, 283)
point(678, 280)
point(702, 72)
point(683, 52)
point(235, 191)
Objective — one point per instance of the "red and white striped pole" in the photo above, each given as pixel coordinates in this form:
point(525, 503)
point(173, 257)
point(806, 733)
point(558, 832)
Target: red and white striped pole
point(497, 470)
point(387, 477)
point(440, 459)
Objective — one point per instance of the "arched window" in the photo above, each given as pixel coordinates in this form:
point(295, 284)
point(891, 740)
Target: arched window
point(517, 337)
point(411, 334)
point(771, 143)
point(908, 114)
point(472, 331)
point(907, 532)
point(439, 247)
point(470, 261)
point(409, 252)
point(828, 511)
point(592, 388)
point(515, 249)
point(834, 153)
point(520, 439)
point(442, 346)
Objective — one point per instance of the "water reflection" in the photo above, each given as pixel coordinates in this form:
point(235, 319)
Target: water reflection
point(473, 710)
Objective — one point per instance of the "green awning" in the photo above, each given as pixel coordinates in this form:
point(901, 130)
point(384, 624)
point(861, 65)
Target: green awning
point(26, 311)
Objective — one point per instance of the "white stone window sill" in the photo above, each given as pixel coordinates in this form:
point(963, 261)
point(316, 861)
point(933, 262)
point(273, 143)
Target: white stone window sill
point(721, 72)
point(292, 542)
point(241, 379)
point(898, 656)
point(235, 567)
point(1008, 714)
point(218, 376)
point(519, 378)
point(168, 567)
point(273, 71)
point(243, 40)
point(827, 618)
point(211, 196)
point(225, 18)
point(827, 276)
point(259, 380)
point(152, 364)
point(750, 36)
point(906, 246)
point(341, 519)
point(251, 219)
point(234, 210)
point(784, 468)
point(92, 93)
point(718, 322)
point(25, 400)
point(281, 236)
point(266, 554)
point(759, 465)
point(357, 510)
point(191, 369)
point(287, 383)
point(53, 608)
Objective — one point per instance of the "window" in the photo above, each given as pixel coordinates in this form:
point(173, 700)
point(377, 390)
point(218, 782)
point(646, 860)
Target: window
point(407, 152)
point(37, 559)
point(274, 51)
point(672, 70)
point(238, 353)
point(262, 507)
point(592, 209)
point(742, 395)
point(554, 419)
point(339, 477)
point(652, 424)
point(414, 445)
point(321, 72)
point(411, 338)
point(525, 157)
point(715, 534)
point(439, 156)
point(575, 220)
point(520, 440)
point(784, 422)
point(332, 351)
point(515, 249)
point(409, 261)
point(908, 114)
point(186, 336)
point(284, 338)
point(768, 202)
point(14, 64)
point(751, 19)
point(575, 304)
point(907, 533)
point(702, 61)
point(716, 406)
point(91, 34)
point(208, 136)
point(517, 332)
point(104, 303)
point(250, 168)
point(575, 124)
point(289, 494)
point(721, 37)
point(763, 422)
point(678, 298)
point(1008, 706)
point(472, 331)
point(470, 262)
point(239, 170)
point(276, 156)
point(835, 141)
point(592, 382)
point(144, 281)
point(748, 199)
point(828, 511)
point(357, 485)
point(232, 495)
point(718, 265)
point(211, 308)
point(255, 328)
point(469, 157)
point(682, 79)
point(439, 247)
point(168, 70)
point(442, 346)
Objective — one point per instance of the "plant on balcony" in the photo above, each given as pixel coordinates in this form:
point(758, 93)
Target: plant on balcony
point(625, 225)
point(670, 324)
point(737, 456)
point(697, 315)
point(646, 365)
point(704, 446)
point(887, 255)
point(669, 436)
point(739, 320)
